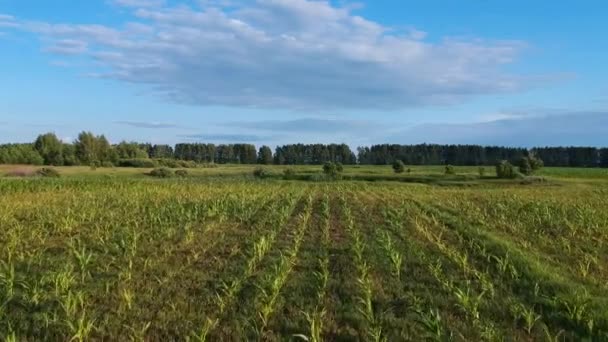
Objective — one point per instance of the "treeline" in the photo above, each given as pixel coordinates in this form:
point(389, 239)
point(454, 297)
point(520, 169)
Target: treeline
point(221, 154)
point(315, 154)
point(471, 155)
point(90, 149)
point(432, 154)
point(573, 156)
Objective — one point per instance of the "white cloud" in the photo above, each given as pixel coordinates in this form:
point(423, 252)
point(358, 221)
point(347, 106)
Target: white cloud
point(288, 54)
point(7, 21)
point(139, 3)
point(68, 47)
point(145, 124)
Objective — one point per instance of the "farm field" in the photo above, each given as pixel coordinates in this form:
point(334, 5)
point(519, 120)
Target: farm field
point(111, 254)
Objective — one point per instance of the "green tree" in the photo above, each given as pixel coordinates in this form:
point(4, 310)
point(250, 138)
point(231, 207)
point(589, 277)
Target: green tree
point(20, 154)
point(86, 148)
point(94, 149)
point(130, 150)
point(505, 170)
point(50, 149)
point(69, 155)
point(529, 164)
point(398, 166)
point(265, 155)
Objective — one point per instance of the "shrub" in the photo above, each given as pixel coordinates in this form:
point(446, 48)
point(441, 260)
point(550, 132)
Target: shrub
point(317, 177)
point(449, 170)
point(95, 164)
point(409, 170)
point(260, 172)
point(339, 167)
point(505, 170)
point(529, 164)
point(188, 164)
point(398, 166)
point(162, 172)
point(181, 173)
point(47, 172)
point(332, 170)
point(524, 166)
point(107, 164)
point(536, 163)
point(482, 171)
point(329, 168)
point(289, 173)
point(139, 163)
point(171, 163)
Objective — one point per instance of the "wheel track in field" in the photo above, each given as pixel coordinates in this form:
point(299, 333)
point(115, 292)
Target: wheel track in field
point(341, 319)
point(296, 299)
point(257, 218)
point(232, 289)
point(550, 284)
point(484, 327)
point(411, 307)
point(553, 255)
point(272, 289)
point(367, 296)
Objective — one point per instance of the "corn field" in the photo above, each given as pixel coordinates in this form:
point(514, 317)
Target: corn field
point(222, 260)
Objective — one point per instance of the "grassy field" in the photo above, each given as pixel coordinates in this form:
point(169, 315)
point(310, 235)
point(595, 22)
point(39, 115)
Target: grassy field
point(112, 254)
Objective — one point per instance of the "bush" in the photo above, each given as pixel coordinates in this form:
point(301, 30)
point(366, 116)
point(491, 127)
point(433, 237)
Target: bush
point(449, 170)
point(260, 172)
point(162, 172)
point(47, 172)
point(398, 166)
point(289, 173)
point(139, 163)
point(339, 167)
point(482, 171)
point(95, 164)
point(107, 164)
point(170, 163)
point(529, 164)
point(188, 164)
point(524, 166)
point(332, 170)
point(181, 173)
point(505, 170)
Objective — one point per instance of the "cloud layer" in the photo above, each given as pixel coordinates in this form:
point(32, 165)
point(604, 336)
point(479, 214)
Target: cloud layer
point(145, 124)
point(585, 128)
point(287, 54)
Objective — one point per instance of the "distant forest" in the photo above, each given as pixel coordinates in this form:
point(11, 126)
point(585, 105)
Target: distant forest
point(90, 149)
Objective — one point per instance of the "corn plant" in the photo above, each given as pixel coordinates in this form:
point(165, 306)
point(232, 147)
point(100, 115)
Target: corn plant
point(394, 255)
point(366, 309)
point(431, 322)
point(527, 315)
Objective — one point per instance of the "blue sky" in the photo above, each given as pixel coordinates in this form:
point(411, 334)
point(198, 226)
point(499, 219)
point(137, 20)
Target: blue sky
point(279, 71)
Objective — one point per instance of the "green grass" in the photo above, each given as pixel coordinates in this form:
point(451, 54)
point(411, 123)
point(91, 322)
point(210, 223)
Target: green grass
point(113, 254)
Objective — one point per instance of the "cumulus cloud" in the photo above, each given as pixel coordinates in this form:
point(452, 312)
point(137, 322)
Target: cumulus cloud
point(582, 128)
point(287, 54)
point(143, 124)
